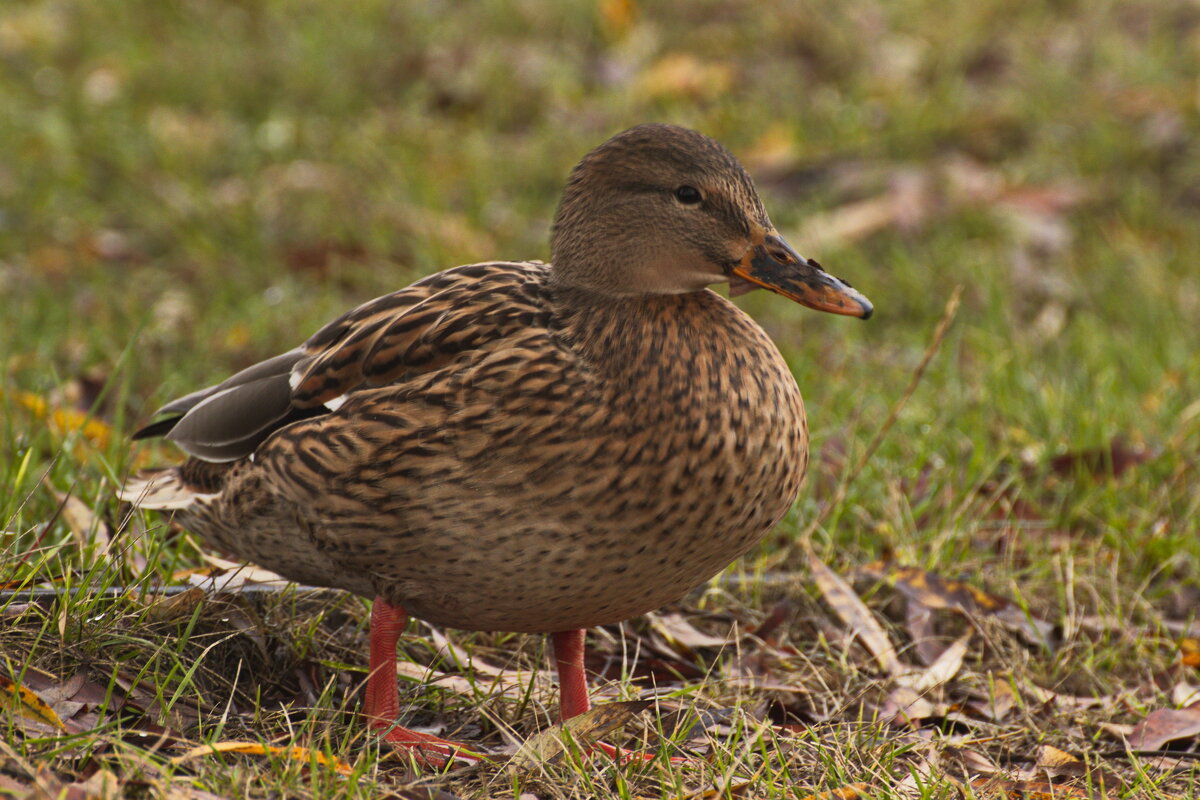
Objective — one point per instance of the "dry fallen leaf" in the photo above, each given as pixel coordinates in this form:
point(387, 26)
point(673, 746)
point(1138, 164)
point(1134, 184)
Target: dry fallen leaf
point(854, 612)
point(302, 754)
point(907, 203)
point(1002, 789)
point(906, 706)
point(935, 592)
point(175, 607)
point(1057, 763)
point(584, 729)
point(681, 634)
point(1000, 700)
point(25, 703)
point(1165, 725)
point(941, 670)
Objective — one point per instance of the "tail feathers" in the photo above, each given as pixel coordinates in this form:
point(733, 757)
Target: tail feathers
point(160, 489)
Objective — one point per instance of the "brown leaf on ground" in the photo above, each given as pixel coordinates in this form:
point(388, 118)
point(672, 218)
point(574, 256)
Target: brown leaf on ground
point(907, 203)
point(935, 592)
point(1165, 725)
point(175, 607)
point(584, 729)
point(1057, 763)
point(926, 642)
point(972, 761)
point(942, 670)
point(75, 700)
point(102, 785)
point(906, 706)
point(1002, 789)
point(681, 635)
point(858, 618)
point(998, 703)
point(908, 703)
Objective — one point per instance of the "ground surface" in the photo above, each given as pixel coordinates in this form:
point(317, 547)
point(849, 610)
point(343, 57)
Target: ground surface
point(188, 187)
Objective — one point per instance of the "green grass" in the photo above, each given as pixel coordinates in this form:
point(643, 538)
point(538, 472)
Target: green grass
point(186, 188)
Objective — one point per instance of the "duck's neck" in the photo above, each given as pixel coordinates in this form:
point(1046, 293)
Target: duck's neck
point(659, 337)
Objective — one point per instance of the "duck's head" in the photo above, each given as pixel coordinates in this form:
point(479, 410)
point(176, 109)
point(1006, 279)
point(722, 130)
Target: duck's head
point(660, 209)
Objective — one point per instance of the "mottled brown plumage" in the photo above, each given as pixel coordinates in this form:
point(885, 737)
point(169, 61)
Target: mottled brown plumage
point(520, 446)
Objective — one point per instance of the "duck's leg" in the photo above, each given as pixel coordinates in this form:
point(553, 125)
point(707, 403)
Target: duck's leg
point(383, 701)
point(572, 688)
point(572, 683)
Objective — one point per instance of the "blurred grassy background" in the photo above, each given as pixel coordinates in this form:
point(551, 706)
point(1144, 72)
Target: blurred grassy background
point(188, 187)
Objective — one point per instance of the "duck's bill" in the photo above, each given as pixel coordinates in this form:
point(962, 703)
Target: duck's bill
point(776, 266)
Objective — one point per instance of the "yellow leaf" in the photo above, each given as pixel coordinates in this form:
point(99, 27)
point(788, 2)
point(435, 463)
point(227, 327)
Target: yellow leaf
point(1189, 650)
point(65, 420)
point(617, 16)
point(302, 754)
point(851, 792)
point(775, 149)
point(27, 704)
point(685, 75)
point(237, 337)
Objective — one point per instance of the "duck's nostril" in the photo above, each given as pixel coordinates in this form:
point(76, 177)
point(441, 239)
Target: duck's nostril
point(782, 256)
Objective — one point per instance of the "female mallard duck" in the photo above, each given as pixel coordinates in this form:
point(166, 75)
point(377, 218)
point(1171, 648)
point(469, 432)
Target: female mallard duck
point(522, 446)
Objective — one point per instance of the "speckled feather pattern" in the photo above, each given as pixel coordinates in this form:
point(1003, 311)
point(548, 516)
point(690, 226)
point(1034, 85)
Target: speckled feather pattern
point(510, 454)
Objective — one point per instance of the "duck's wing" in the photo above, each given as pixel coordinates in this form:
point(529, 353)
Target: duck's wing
point(386, 340)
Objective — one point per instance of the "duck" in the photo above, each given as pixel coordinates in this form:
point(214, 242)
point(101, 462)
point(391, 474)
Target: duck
point(519, 445)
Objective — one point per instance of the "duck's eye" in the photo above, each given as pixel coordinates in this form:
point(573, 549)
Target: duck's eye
point(688, 195)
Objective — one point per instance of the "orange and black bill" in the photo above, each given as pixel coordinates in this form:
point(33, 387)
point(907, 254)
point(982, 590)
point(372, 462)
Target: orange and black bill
point(776, 266)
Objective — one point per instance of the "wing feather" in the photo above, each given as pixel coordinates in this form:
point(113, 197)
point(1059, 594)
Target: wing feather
point(411, 331)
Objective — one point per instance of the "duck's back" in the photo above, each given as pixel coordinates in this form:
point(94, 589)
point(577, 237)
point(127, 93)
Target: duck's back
point(520, 456)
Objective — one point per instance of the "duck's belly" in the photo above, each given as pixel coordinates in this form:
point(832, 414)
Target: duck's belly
point(544, 578)
point(600, 549)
